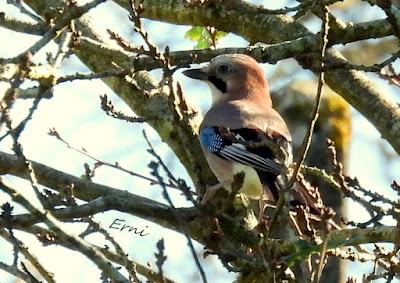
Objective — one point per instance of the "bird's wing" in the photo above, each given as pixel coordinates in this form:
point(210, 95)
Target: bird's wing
point(243, 146)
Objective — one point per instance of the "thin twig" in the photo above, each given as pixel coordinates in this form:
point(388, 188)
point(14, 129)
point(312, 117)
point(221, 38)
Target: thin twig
point(91, 252)
point(16, 132)
point(53, 132)
point(308, 136)
point(373, 68)
point(321, 263)
point(179, 183)
point(95, 75)
point(48, 276)
point(12, 269)
point(154, 166)
point(108, 107)
point(321, 81)
point(129, 265)
point(73, 12)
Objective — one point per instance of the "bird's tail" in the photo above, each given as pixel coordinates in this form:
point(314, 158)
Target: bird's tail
point(307, 209)
point(302, 194)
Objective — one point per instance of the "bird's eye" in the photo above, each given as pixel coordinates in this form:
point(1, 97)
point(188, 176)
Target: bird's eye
point(223, 69)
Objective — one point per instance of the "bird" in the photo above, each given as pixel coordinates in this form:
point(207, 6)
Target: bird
point(238, 130)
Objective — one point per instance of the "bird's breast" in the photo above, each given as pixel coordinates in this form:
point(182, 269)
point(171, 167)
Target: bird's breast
point(225, 171)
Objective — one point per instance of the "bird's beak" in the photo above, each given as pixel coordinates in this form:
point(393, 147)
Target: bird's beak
point(197, 74)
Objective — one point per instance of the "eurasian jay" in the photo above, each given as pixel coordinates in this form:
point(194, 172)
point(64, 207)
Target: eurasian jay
point(241, 115)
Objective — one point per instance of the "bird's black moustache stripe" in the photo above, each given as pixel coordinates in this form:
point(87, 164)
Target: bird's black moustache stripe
point(219, 84)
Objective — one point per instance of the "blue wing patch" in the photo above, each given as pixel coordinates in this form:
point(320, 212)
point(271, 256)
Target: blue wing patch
point(211, 139)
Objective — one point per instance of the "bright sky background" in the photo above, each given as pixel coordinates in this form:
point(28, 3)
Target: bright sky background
point(75, 112)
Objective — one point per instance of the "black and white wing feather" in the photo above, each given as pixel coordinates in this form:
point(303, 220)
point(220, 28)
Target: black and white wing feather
point(231, 144)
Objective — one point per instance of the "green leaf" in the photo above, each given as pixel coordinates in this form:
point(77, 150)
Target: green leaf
point(202, 36)
point(203, 43)
point(194, 33)
point(199, 35)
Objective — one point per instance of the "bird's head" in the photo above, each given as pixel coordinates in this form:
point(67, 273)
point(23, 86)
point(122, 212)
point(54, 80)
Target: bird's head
point(232, 77)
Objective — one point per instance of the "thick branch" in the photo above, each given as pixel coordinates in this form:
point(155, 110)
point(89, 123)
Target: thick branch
point(22, 26)
point(243, 18)
point(106, 198)
point(341, 238)
point(101, 198)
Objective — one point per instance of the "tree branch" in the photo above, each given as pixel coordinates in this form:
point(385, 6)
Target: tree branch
point(85, 248)
point(176, 12)
point(101, 198)
point(48, 237)
point(145, 97)
point(73, 12)
point(22, 26)
point(353, 86)
point(341, 238)
point(48, 276)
